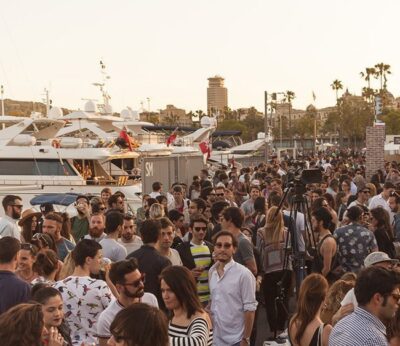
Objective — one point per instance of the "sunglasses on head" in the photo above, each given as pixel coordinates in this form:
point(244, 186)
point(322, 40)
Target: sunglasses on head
point(29, 247)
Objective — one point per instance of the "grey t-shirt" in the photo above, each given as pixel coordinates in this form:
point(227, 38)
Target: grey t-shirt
point(244, 251)
point(113, 250)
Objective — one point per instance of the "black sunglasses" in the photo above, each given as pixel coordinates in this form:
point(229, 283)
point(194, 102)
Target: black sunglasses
point(138, 281)
point(198, 229)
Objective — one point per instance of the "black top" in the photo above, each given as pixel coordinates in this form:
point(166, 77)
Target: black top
point(13, 290)
point(384, 243)
point(151, 263)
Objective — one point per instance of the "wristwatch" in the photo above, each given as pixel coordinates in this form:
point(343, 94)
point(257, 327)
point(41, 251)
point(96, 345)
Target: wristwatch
point(247, 340)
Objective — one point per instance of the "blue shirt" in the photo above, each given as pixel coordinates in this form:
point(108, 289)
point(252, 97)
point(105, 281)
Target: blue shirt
point(13, 290)
point(361, 328)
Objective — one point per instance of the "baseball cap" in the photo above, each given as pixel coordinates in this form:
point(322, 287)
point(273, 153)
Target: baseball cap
point(377, 257)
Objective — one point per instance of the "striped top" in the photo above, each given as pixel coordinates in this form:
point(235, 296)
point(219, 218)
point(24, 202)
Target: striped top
point(202, 258)
point(360, 328)
point(197, 333)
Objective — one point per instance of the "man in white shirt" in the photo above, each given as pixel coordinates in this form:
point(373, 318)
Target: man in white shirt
point(8, 223)
point(129, 238)
point(96, 227)
point(157, 188)
point(363, 195)
point(179, 202)
point(233, 300)
point(381, 200)
point(165, 242)
point(111, 248)
point(84, 298)
point(128, 281)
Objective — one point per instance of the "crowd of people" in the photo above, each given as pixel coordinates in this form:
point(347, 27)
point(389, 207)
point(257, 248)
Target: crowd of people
point(198, 262)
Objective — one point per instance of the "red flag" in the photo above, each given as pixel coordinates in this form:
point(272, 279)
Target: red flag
point(205, 148)
point(124, 135)
point(171, 139)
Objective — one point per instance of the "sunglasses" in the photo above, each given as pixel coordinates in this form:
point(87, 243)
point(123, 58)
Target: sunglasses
point(198, 229)
point(138, 281)
point(220, 195)
point(19, 206)
point(226, 246)
point(395, 296)
point(29, 247)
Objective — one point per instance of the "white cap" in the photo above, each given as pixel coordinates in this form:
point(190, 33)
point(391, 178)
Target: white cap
point(377, 257)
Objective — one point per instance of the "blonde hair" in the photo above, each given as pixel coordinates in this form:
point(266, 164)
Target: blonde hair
point(274, 226)
point(156, 211)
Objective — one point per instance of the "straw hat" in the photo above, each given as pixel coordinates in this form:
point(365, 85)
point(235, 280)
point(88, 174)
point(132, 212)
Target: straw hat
point(26, 214)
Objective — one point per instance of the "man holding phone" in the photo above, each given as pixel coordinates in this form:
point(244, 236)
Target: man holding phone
point(80, 222)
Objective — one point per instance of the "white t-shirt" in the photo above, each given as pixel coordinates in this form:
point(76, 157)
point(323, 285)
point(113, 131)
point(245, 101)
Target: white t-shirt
point(113, 250)
point(84, 300)
point(108, 315)
point(132, 246)
point(175, 258)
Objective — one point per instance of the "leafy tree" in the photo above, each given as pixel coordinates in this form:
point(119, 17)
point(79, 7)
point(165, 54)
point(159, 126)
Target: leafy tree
point(392, 122)
point(289, 96)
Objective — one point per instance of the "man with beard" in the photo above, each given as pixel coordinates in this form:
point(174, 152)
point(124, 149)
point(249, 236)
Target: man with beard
point(129, 238)
point(116, 202)
point(80, 222)
point(96, 227)
point(52, 225)
point(8, 223)
point(248, 206)
point(377, 292)
point(165, 242)
point(394, 205)
point(128, 281)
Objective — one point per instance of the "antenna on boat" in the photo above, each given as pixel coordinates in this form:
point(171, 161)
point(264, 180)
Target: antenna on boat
point(104, 108)
point(47, 101)
point(2, 99)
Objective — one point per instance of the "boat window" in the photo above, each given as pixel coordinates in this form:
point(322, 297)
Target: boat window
point(35, 167)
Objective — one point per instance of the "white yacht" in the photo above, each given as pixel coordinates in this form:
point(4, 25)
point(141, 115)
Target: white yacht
point(33, 162)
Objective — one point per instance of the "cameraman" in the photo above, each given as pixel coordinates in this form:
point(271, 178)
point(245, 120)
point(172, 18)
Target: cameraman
point(80, 222)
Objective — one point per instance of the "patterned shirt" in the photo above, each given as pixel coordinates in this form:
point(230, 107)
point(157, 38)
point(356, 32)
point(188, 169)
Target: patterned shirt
point(84, 300)
point(202, 258)
point(360, 328)
point(355, 242)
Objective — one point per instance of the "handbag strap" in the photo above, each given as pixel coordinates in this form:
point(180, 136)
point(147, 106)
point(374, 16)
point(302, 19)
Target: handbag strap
point(320, 330)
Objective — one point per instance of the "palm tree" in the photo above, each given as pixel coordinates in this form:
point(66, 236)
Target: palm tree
point(381, 72)
point(336, 86)
point(288, 97)
point(369, 71)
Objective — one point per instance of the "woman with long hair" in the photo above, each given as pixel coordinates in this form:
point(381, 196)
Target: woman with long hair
point(346, 187)
point(380, 225)
point(271, 243)
point(163, 200)
point(139, 324)
point(23, 325)
point(53, 312)
point(190, 324)
point(306, 327)
point(47, 266)
point(66, 227)
point(341, 204)
point(29, 224)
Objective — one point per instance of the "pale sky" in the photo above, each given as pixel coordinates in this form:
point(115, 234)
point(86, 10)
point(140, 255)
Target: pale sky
point(166, 49)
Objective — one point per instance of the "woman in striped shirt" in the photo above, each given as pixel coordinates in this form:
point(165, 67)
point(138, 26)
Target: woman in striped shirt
point(190, 324)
